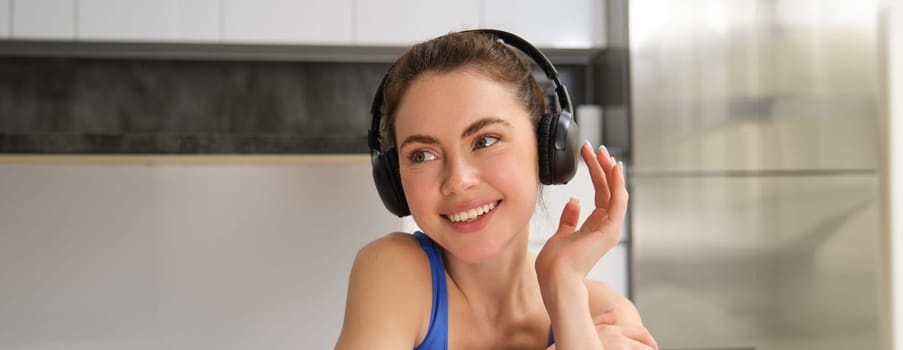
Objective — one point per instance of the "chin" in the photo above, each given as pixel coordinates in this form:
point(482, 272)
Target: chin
point(474, 251)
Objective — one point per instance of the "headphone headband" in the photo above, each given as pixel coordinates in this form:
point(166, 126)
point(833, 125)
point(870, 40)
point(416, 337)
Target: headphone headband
point(564, 99)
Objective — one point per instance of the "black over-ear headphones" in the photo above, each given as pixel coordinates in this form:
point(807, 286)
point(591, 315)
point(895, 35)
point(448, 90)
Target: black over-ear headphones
point(557, 135)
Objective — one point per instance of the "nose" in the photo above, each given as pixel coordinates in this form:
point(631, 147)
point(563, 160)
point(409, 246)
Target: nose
point(460, 175)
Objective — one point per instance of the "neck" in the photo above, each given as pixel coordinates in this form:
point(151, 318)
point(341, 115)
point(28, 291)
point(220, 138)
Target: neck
point(504, 284)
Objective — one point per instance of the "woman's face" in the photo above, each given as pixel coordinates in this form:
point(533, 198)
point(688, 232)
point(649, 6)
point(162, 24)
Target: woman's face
point(468, 161)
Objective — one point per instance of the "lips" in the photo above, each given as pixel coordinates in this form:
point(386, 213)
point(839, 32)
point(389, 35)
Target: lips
point(471, 214)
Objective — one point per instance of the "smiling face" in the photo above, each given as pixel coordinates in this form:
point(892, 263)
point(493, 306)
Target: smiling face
point(468, 161)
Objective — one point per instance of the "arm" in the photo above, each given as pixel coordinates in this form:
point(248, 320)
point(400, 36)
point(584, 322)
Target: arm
point(386, 296)
point(617, 321)
point(568, 305)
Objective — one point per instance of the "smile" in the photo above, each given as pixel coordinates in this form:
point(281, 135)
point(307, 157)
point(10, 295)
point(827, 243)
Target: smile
point(472, 214)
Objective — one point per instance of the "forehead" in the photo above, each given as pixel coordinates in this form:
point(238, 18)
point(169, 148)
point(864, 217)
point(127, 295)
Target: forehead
point(435, 102)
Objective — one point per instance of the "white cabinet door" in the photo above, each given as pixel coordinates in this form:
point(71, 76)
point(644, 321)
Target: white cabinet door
point(141, 20)
point(564, 23)
point(5, 15)
point(286, 21)
point(43, 19)
point(404, 22)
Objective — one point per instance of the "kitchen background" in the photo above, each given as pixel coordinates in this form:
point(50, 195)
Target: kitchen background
point(193, 174)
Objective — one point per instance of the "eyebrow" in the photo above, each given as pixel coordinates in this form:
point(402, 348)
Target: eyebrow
point(470, 130)
point(418, 139)
point(482, 123)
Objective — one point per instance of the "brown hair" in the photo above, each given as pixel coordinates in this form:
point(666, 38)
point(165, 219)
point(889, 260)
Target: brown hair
point(479, 52)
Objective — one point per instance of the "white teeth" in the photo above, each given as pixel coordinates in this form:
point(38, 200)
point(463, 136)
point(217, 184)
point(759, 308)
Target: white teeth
point(471, 214)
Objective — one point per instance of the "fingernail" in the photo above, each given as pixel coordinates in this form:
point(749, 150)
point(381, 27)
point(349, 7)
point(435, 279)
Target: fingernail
point(602, 147)
point(621, 167)
point(611, 308)
point(588, 144)
point(613, 160)
point(574, 199)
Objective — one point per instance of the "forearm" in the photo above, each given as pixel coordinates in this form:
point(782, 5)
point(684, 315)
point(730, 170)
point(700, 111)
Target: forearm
point(567, 303)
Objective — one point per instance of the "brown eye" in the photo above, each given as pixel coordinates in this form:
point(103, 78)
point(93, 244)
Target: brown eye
point(421, 156)
point(485, 141)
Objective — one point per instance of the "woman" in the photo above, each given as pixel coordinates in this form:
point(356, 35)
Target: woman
point(461, 111)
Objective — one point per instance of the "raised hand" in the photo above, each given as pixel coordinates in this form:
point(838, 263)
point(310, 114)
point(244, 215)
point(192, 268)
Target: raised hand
point(571, 252)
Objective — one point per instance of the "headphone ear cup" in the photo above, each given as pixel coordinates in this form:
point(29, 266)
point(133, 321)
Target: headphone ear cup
point(543, 138)
point(387, 178)
point(558, 139)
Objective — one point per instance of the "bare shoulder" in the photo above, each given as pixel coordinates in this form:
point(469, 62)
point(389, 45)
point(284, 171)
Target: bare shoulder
point(389, 295)
point(396, 257)
point(396, 247)
point(602, 296)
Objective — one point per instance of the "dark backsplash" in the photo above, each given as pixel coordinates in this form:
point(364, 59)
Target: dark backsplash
point(159, 106)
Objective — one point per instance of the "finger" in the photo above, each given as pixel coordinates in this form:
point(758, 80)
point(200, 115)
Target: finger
point(620, 333)
point(639, 334)
point(609, 317)
point(607, 162)
point(605, 158)
point(570, 217)
point(617, 208)
point(597, 174)
point(603, 229)
point(635, 345)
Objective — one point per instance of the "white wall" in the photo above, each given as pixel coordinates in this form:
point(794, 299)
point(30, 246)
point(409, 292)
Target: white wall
point(180, 257)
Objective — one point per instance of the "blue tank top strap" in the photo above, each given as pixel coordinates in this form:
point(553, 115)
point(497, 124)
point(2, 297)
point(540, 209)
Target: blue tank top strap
point(551, 336)
point(437, 335)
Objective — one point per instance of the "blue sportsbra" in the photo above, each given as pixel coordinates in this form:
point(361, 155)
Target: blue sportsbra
point(437, 335)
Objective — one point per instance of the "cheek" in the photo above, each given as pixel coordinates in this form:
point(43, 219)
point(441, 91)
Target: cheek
point(419, 190)
point(518, 171)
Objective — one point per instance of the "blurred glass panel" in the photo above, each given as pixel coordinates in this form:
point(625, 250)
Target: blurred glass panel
point(747, 85)
point(765, 262)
